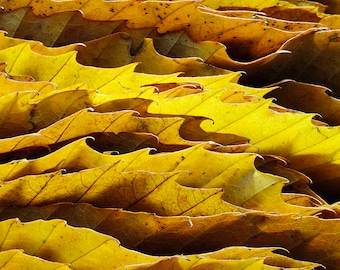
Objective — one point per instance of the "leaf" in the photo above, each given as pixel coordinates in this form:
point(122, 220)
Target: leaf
point(243, 188)
point(333, 6)
point(98, 51)
point(298, 182)
point(11, 259)
point(294, 13)
point(149, 60)
point(77, 155)
point(175, 16)
point(163, 65)
point(315, 63)
point(304, 237)
point(205, 263)
point(332, 22)
point(237, 167)
point(57, 67)
point(15, 113)
point(295, 95)
point(56, 105)
point(246, 4)
point(117, 122)
point(36, 46)
point(289, 129)
point(137, 191)
point(59, 29)
point(178, 44)
point(53, 240)
point(13, 86)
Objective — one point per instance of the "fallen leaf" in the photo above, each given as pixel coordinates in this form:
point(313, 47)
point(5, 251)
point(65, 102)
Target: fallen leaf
point(304, 237)
point(307, 98)
point(11, 259)
point(15, 113)
point(313, 59)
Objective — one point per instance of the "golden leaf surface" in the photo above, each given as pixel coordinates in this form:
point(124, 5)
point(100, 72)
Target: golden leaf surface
point(201, 24)
point(13, 86)
point(99, 53)
point(104, 186)
point(166, 129)
point(58, 242)
point(247, 188)
point(308, 98)
point(15, 113)
point(84, 131)
point(12, 259)
point(53, 240)
point(314, 59)
point(280, 134)
point(154, 234)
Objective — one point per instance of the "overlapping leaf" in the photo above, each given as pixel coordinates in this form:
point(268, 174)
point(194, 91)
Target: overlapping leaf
point(55, 70)
point(166, 129)
point(241, 119)
point(169, 17)
point(298, 234)
point(308, 98)
point(90, 246)
point(233, 195)
point(277, 35)
point(106, 186)
point(12, 258)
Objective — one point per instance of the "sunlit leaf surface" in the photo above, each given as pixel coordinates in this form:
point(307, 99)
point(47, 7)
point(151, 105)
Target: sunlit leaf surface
point(170, 134)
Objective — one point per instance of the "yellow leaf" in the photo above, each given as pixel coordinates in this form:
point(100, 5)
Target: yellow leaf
point(197, 263)
point(294, 13)
point(244, 187)
point(106, 187)
point(57, 30)
point(73, 157)
point(12, 86)
point(307, 98)
point(57, 105)
point(57, 67)
point(298, 182)
point(12, 259)
point(281, 134)
point(166, 129)
point(65, 71)
point(333, 21)
point(154, 63)
point(303, 237)
point(303, 4)
point(174, 16)
point(258, 4)
point(100, 53)
point(58, 242)
point(314, 58)
point(15, 113)
point(83, 249)
point(178, 44)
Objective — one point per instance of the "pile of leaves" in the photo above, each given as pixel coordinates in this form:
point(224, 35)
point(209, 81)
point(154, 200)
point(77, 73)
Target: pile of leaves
point(169, 134)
